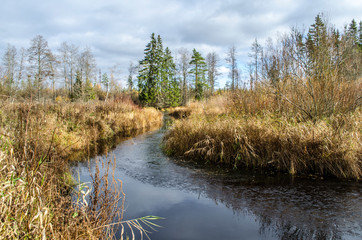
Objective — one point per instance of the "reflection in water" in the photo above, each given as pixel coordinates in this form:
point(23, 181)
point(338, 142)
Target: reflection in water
point(206, 204)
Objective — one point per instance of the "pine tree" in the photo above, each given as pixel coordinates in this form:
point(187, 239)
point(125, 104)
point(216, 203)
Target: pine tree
point(198, 69)
point(353, 32)
point(171, 86)
point(148, 74)
point(317, 47)
point(162, 78)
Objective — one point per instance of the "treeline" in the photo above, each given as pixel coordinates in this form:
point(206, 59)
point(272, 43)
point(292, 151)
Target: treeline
point(317, 72)
point(38, 73)
point(308, 69)
point(308, 63)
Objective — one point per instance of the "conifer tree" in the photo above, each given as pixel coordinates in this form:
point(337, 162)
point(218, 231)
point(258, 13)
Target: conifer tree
point(171, 86)
point(317, 48)
point(148, 74)
point(157, 82)
point(78, 87)
point(162, 78)
point(198, 69)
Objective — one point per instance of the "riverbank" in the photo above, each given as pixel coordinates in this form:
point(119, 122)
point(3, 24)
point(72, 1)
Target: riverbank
point(227, 134)
point(37, 143)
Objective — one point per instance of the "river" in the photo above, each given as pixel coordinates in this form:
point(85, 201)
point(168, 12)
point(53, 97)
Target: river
point(198, 203)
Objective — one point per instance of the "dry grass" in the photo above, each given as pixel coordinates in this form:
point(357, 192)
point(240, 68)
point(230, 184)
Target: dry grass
point(299, 99)
point(36, 141)
point(214, 106)
point(250, 135)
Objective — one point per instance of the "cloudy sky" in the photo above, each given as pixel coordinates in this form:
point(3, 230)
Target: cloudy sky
point(118, 30)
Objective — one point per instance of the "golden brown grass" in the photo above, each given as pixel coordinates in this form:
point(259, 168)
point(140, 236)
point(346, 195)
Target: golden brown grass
point(36, 141)
point(213, 106)
point(251, 134)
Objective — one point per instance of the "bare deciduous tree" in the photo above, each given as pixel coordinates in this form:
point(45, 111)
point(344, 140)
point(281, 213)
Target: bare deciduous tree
point(39, 56)
point(212, 61)
point(255, 55)
point(87, 64)
point(231, 60)
point(183, 65)
point(10, 64)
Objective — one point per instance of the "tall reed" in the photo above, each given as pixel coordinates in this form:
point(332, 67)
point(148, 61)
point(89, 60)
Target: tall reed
point(36, 142)
point(248, 132)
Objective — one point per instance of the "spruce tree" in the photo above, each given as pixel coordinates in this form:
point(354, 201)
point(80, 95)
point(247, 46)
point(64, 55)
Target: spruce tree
point(148, 74)
point(78, 87)
point(171, 86)
point(162, 78)
point(198, 69)
point(317, 48)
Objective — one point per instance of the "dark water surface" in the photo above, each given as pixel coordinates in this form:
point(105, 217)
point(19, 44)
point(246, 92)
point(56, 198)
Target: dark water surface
point(202, 204)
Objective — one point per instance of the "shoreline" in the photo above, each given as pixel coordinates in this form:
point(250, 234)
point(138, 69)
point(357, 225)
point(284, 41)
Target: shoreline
point(41, 141)
point(268, 143)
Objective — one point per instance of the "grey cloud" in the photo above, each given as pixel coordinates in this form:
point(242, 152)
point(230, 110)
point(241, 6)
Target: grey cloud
point(119, 30)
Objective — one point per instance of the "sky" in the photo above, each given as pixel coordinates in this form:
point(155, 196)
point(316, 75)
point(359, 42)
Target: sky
point(117, 31)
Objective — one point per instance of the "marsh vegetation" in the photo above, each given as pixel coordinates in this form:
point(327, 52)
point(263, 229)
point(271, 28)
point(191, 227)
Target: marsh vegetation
point(298, 113)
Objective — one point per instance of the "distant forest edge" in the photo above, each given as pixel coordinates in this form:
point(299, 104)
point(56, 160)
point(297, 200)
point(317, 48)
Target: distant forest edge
point(322, 53)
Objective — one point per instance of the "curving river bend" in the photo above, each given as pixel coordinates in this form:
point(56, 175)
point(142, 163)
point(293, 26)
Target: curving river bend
point(205, 204)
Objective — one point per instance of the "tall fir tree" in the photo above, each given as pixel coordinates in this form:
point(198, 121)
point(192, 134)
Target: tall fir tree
point(198, 70)
point(171, 86)
point(162, 79)
point(317, 48)
point(148, 74)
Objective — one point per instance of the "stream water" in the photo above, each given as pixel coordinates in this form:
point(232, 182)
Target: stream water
point(208, 204)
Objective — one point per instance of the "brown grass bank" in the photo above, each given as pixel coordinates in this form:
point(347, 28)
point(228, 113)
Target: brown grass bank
point(222, 132)
point(36, 142)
